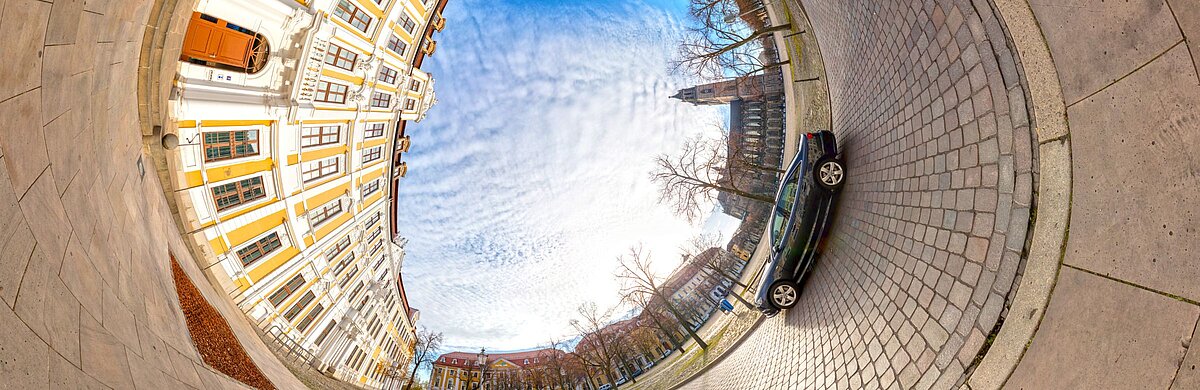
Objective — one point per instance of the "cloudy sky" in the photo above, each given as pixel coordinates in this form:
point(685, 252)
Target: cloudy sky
point(530, 175)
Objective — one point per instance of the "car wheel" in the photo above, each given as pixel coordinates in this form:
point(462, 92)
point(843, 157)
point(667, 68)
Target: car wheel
point(784, 294)
point(830, 173)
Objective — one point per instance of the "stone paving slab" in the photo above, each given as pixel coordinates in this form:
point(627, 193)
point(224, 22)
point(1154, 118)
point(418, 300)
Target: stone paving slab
point(1137, 177)
point(1097, 42)
point(1101, 334)
point(84, 239)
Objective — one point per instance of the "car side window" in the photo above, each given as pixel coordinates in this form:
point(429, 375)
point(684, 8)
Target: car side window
point(788, 196)
point(777, 222)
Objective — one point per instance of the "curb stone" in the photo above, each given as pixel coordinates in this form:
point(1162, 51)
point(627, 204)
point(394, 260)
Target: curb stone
point(1049, 231)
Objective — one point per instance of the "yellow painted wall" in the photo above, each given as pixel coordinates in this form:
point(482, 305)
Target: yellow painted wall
point(329, 227)
point(317, 200)
point(265, 267)
point(241, 235)
point(238, 170)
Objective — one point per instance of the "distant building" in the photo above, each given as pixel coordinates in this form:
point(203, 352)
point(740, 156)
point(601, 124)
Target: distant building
point(695, 289)
point(635, 344)
point(546, 368)
point(757, 115)
point(727, 91)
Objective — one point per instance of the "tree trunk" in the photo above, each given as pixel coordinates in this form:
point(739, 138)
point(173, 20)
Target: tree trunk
point(714, 268)
point(751, 38)
point(740, 299)
point(678, 316)
point(764, 67)
point(748, 195)
point(670, 335)
point(408, 386)
point(761, 168)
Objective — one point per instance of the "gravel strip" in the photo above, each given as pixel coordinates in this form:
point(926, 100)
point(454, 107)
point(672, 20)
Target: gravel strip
point(217, 345)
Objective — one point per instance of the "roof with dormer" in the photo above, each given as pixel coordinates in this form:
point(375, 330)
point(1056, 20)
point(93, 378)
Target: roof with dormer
point(469, 360)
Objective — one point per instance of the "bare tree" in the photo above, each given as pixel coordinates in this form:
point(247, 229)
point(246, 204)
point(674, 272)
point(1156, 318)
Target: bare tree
point(427, 345)
point(561, 369)
point(646, 341)
point(599, 348)
point(722, 41)
point(640, 283)
point(694, 176)
point(705, 251)
point(666, 326)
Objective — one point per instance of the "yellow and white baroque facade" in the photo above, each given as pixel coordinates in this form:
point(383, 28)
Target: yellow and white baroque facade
point(284, 176)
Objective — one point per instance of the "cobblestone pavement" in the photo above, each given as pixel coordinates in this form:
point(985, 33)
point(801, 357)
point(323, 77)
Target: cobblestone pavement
point(930, 110)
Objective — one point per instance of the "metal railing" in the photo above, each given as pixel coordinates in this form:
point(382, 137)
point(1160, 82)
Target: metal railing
point(288, 347)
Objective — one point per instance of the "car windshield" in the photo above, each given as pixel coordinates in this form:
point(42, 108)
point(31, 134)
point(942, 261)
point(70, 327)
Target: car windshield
point(783, 205)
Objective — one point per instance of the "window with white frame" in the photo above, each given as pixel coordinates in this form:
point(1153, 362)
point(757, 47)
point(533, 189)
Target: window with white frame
point(357, 289)
point(337, 248)
point(310, 317)
point(374, 130)
point(226, 145)
point(387, 74)
point(341, 265)
point(286, 290)
point(374, 218)
point(407, 22)
point(311, 136)
point(410, 104)
point(375, 234)
point(328, 92)
point(258, 249)
point(349, 276)
point(396, 45)
point(303, 302)
point(350, 13)
point(239, 192)
point(313, 170)
point(326, 212)
point(340, 57)
point(325, 333)
point(370, 188)
point(381, 99)
point(372, 154)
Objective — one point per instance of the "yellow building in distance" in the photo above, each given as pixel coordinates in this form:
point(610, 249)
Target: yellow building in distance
point(290, 119)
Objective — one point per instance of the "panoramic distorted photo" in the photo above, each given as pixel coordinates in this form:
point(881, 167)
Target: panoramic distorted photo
point(599, 194)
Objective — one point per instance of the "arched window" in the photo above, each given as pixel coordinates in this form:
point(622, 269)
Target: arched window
point(216, 43)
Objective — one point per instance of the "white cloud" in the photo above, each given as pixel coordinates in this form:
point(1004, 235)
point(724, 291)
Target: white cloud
point(531, 174)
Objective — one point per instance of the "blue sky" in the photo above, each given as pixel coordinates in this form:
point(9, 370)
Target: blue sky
point(530, 175)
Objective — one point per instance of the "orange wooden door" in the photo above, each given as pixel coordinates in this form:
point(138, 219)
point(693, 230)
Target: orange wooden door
point(202, 39)
point(209, 41)
point(234, 48)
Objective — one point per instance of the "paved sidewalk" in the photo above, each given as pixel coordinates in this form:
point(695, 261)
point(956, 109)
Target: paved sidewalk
point(88, 298)
point(1106, 295)
point(1124, 311)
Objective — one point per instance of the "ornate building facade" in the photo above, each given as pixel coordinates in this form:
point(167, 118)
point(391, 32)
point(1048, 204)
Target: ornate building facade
point(290, 144)
point(546, 368)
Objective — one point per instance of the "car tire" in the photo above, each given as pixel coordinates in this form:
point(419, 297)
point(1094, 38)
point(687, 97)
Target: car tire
point(830, 173)
point(784, 294)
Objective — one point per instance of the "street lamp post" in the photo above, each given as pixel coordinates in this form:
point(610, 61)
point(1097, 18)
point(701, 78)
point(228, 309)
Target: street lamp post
point(482, 366)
